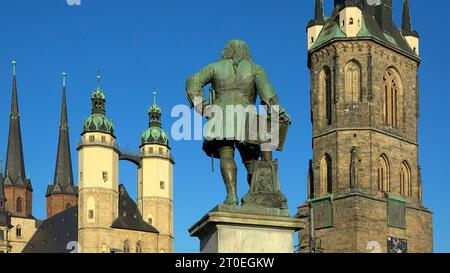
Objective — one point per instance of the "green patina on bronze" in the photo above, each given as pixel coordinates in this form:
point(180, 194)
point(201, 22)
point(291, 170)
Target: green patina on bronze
point(237, 81)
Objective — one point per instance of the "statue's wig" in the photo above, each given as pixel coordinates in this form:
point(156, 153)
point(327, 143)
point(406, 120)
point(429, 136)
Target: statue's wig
point(237, 51)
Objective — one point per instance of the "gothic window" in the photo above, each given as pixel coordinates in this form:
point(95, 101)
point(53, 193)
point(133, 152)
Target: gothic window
point(325, 96)
point(105, 176)
point(405, 180)
point(150, 219)
point(2, 235)
point(18, 231)
point(139, 247)
point(351, 21)
point(126, 247)
point(91, 138)
point(326, 185)
point(383, 174)
point(103, 139)
point(19, 205)
point(352, 83)
point(162, 185)
point(392, 94)
point(91, 209)
point(160, 151)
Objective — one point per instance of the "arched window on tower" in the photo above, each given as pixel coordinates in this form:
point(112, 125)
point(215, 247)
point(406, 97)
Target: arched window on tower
point(126, 247)
point(326, 185)
point(383, 174)
point(19, 205)
point(325, 95)
point(405, 180)
point(392, 94)
point(139, 247)
point(18, 231)
point(352, 83)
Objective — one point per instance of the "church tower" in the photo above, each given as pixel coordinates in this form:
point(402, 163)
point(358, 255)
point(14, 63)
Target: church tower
point(18, 189)
point(98, 170)
point(155, 179)
point(62, 194)
point(5, 219)
point(365, 185)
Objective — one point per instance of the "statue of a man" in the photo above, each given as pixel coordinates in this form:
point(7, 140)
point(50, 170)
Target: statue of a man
point(235, 80)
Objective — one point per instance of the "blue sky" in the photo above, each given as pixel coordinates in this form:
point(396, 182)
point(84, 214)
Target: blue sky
point(143, 45)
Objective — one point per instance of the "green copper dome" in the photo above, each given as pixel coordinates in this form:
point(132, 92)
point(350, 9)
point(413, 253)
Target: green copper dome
point(98, 123)
point(98, 94)
point(155, 135)
point(155, 109)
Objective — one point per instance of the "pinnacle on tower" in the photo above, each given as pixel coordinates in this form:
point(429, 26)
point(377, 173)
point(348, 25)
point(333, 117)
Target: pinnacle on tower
point(318, 12)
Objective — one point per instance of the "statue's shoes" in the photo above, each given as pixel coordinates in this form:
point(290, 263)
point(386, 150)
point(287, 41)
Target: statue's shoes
point(232, 200)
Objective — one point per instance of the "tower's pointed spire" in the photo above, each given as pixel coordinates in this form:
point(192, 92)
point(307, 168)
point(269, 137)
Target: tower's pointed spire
point(318, 12)
point(63, 169)
point(154, 113)
point(406, 21)
point(15, 167)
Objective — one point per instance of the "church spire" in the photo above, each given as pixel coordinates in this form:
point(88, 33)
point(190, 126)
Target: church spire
point(406, 20)
point(15, 167)
point(318, 12)
point(63, 169)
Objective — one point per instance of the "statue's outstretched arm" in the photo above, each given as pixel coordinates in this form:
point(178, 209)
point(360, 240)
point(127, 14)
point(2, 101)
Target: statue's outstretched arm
point(194, 87)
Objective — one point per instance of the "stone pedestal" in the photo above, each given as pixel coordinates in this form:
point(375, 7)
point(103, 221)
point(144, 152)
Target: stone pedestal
point(233, 229)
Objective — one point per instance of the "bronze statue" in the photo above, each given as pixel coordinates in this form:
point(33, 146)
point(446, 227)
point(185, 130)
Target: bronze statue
point(236, 80)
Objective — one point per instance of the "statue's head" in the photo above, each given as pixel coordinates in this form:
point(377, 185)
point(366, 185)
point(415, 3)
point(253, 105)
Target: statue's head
point(237, 51)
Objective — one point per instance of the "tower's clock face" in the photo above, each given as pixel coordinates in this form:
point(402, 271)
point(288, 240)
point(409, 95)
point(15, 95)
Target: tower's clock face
point(396, 245)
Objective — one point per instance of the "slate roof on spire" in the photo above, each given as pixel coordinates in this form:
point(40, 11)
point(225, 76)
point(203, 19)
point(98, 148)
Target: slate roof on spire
point(63, 180)
point(406, 21)
point(15, 167)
